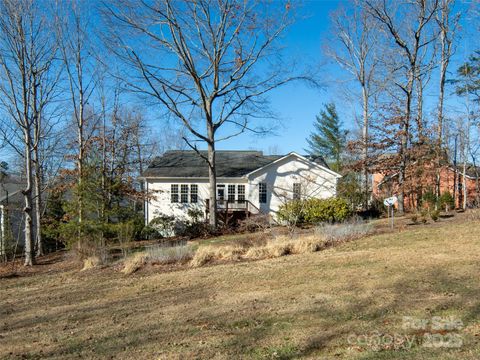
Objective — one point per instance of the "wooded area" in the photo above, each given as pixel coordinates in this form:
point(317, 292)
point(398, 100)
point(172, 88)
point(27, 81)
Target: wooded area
point(80, 83)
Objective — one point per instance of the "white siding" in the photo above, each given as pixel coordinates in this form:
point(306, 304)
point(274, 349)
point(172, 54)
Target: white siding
point(280, 177)
point(161, 204)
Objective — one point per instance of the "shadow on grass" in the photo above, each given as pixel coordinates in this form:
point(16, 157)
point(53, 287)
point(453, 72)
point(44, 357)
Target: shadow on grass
point(153, 321)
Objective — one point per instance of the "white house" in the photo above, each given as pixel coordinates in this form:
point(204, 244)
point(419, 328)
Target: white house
point(248, 182)
point(11, 215)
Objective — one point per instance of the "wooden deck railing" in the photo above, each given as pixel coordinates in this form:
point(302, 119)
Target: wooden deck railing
point(234, 205)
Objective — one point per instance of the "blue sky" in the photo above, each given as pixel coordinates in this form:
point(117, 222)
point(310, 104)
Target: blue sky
point(296, 104)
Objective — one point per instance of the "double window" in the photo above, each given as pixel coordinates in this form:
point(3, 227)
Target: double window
point(262, 193)
point(231, 192)
point(181, 193)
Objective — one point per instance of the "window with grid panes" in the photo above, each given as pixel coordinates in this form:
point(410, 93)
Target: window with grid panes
point(194, 193)
point(262, 193)
point(174, 193)
point(184, 193)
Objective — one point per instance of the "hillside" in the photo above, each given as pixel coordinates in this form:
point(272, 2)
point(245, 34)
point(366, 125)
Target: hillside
point(336, 304)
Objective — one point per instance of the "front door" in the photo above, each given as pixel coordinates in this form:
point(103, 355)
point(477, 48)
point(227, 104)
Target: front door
point(220, 193)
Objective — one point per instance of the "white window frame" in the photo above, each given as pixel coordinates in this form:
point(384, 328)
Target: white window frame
point(174, 194)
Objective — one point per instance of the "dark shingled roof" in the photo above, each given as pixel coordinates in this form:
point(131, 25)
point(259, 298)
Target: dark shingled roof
point(188, 163)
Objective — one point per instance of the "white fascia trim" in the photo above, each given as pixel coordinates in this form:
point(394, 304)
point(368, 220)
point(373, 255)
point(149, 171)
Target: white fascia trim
point(146, 178)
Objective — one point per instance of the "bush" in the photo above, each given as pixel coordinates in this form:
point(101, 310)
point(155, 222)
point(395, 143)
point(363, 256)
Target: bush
point(158, 254)
point(206, 254)
point(293, 212)
point(134, 263)
point(434, 215)
point(446, 201)
point(326, 210)
point(348, 231)
point(138, 222)
point(314, 211)
point(195, 215)
point(325, 236)
point(86, 238)
point(195, 229)
point(377, 208)
point(429, 198)
point(255, 223)
point(162, 226)
point(423, 216)
point(91, 262)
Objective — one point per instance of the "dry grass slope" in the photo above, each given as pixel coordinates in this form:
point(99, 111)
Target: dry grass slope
point(324, 237)
point(302, 306)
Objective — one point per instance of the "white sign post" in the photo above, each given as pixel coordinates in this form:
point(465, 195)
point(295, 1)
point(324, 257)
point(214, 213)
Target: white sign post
point(389, 202)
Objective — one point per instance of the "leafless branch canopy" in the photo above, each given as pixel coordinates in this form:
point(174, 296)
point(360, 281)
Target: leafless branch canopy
point(203, 60)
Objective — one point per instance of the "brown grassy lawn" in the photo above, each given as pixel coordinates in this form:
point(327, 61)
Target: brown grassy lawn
point(300, 306)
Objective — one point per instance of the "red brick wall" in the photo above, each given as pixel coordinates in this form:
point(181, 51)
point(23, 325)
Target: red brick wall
point(446, 184)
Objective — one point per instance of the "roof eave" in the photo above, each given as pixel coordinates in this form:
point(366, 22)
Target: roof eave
point(337, 175)
point(190, 177)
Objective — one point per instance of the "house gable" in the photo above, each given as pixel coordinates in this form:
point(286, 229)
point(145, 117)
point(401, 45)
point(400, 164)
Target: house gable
point(282, 177)
point(292, 157)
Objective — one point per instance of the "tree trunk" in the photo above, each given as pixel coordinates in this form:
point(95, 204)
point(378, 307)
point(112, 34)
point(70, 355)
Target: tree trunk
point(441, 96)
point(27, 195)
point(440, 124)
point(80, 160)
point(404, 141)
point(38, 204)
point(80, 174)
point(140, 167)
point(365, 143)
point(420, 127)
point(403, 159)
point(212, 179)
point(466, 148)
point(104, 161)
point(464, 185)
point(37, 129)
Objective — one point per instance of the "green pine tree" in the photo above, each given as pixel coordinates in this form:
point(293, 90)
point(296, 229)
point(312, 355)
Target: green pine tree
point(468, 77)
point(329, 138)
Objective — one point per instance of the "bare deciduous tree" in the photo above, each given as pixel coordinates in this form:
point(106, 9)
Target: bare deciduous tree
point(358, 36)
point(27, 53)
point(448, 24)
point(407, 27)
point(209, 63)
point(78, 56)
